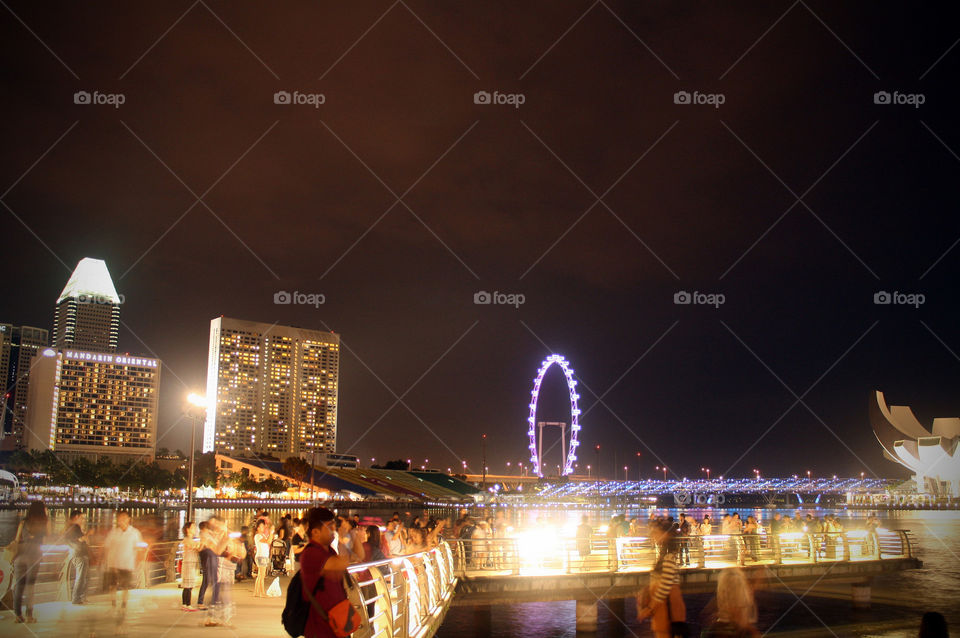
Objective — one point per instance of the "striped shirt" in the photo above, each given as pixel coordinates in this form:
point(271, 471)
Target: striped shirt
point(669, 576)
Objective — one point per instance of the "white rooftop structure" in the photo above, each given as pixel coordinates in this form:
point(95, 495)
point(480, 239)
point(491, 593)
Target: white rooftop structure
point(933, 455)
point(90, 279)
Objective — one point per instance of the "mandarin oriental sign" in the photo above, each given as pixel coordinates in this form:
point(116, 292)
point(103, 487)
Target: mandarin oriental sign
point(102, 357)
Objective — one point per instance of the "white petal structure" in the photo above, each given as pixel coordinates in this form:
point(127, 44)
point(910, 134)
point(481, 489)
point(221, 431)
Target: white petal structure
point(931, 455)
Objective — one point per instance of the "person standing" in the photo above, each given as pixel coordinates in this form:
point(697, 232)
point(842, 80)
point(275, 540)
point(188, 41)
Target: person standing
point(76, 539)
point(685, 532)
point(321, 571)
point(261, 544)
point(229, 553)
point(208, 565)
point(190, 565)
point(26, 562)
point(662, 601)
point(736, 610)
point(298, 541)
point(584, 537)
point(121, 549)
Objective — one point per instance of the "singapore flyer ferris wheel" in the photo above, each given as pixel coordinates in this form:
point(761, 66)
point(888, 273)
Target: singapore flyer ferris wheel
point(569, 451)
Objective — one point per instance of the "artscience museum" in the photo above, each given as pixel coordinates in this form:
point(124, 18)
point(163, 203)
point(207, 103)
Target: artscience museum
point(931, 455)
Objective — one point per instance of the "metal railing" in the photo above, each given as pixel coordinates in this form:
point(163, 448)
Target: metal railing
point(406, 596)
point(402, 597)
point(56, 572)
point(550, 554)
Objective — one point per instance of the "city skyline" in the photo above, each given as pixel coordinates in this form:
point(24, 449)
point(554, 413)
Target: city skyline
point(731, 279)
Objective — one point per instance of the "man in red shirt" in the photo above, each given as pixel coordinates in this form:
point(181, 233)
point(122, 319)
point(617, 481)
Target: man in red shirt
point(319, 561)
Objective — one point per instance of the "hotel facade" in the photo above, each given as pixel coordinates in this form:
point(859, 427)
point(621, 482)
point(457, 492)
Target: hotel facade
point(91, 404)
point(271, 390)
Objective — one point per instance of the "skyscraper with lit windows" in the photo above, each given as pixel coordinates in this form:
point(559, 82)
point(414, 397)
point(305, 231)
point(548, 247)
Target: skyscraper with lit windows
point(271, 390)
point(87, 314)
point(18, 346)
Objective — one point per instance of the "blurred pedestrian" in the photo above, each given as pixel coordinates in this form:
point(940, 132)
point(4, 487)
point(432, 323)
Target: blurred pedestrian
point(662, 600)
point(123, 549)
point(76, 539)
point(26, 559)
point(736, 610)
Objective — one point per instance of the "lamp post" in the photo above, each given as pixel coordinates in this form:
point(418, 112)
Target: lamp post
point(625, 477)
point(483, 462)
point(196, 410)
point(664, 468)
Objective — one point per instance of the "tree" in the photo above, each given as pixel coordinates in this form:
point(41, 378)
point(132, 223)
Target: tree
point(271, 485)
point(297, 469)
point(399, 464)
point(205, 470)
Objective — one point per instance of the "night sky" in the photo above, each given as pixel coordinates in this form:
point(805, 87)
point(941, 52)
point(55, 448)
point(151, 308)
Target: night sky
point(598, 199)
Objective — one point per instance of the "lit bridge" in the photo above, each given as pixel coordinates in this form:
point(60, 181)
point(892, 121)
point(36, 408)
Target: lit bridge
point(542, 567)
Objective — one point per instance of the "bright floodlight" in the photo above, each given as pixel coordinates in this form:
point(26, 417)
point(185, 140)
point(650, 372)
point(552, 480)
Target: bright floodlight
point(197, 399)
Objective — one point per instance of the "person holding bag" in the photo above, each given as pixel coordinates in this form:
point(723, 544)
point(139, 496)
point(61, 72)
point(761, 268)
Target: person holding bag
point(322, 581)
point(662, 600)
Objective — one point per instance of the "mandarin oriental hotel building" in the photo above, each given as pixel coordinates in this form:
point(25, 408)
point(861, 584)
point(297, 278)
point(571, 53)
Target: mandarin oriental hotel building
point(92, 404)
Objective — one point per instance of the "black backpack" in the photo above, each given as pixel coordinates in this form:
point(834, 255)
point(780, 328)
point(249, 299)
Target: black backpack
point(297, 610)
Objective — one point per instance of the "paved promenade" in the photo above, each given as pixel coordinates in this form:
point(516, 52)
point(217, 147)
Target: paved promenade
point(153, 612)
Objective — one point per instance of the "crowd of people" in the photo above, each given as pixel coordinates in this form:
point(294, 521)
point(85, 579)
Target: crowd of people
point(322, 545)
point(123, 550)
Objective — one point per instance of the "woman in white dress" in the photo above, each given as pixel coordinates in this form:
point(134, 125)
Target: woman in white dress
point(190, 567)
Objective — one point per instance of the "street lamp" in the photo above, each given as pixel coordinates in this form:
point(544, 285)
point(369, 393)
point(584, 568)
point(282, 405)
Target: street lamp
point(625, 477)
point(639, 477)
point(196, 410)
point(588, 471)
point(483, 461)
point(664, 468)
point(707, 470)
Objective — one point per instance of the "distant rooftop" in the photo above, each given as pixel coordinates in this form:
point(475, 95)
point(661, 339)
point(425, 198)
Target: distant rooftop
point(91, 279)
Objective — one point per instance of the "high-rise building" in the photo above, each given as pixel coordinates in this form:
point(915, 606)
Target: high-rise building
point(18, 346)
point(271, 389)
point(88, 310)
point(93, 403)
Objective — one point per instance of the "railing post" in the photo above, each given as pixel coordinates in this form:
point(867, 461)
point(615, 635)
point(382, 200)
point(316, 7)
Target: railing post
point(905, 547)
point(516, 556)
point(813, 550)
point(701, 553)
point(845, 545)
point(404, 603)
